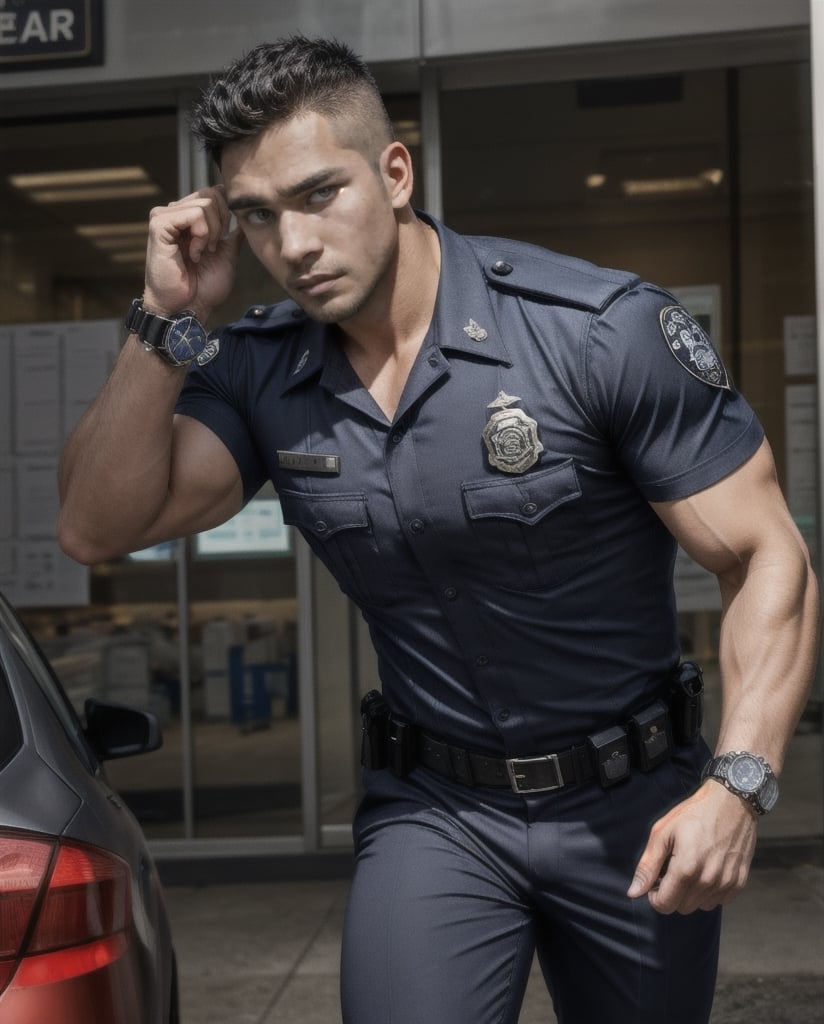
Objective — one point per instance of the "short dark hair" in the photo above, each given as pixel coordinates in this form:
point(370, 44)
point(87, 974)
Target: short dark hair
point(292, 76)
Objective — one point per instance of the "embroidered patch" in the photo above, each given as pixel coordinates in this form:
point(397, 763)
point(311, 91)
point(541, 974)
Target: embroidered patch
point(209, 352)
point(691, 346)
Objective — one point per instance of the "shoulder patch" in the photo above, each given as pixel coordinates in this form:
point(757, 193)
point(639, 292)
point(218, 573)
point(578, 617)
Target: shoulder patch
point(691, 346)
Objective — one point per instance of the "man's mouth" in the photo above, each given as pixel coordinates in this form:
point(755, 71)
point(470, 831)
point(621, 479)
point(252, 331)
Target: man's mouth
point(315, 284)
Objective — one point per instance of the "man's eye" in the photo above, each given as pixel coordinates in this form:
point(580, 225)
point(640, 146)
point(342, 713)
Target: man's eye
point(258, 216)
point(323, 195)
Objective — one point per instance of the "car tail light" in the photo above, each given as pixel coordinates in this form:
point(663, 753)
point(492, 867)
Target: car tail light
point(64, 909)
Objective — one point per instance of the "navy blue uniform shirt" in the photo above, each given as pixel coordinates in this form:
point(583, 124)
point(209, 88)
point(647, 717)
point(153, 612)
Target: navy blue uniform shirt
point(497, 534)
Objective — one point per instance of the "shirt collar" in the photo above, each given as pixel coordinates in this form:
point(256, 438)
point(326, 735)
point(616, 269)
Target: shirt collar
point(464, 319)
point(315, 351)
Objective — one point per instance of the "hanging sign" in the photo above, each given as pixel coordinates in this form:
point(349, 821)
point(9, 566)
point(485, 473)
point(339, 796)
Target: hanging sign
point(50, 33)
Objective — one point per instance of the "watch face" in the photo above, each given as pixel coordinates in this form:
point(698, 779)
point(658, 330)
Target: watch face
point(186, 339)
point(746, 773)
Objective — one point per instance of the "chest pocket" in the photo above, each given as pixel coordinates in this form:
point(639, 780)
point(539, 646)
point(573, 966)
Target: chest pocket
point(530, 531)
point(338, 529)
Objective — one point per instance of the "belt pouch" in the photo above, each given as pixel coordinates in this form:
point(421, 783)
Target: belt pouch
point(375, 733)
point(651, 735)
point(686, 701)
point(400, 748)
point(610, 754)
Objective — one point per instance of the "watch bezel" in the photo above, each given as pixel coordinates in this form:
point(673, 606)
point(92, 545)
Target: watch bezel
point(743, 783)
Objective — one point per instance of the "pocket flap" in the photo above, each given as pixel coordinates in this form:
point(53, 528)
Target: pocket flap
point(324, 515)
point(526, 499)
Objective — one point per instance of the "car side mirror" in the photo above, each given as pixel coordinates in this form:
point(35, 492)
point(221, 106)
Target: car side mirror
point(114, 730)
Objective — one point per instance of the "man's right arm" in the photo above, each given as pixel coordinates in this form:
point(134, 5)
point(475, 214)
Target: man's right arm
point(133, 473)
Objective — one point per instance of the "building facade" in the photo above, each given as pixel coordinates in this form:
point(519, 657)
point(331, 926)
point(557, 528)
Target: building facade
point(675, 140)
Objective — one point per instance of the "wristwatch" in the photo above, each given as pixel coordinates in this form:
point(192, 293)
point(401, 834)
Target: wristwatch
point(748, 776)
point(177, 339)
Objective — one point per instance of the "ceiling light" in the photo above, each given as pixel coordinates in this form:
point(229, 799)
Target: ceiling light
point(93, 193)
point(669, 186)
point(408, 132)
point(111, 237)
point(128, 256)
point(714, 175)
point(596, 180)
point(85, 185)
point(89, 176)
point(128, 228)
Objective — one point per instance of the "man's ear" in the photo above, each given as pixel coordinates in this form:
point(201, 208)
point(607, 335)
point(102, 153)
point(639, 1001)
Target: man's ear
point(396, 170)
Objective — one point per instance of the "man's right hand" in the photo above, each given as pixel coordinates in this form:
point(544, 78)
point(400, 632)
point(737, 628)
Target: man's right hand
point(192, 254)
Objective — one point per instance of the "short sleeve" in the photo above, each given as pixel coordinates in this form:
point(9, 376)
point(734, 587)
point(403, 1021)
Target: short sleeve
point(211, 395)
point(659, 391)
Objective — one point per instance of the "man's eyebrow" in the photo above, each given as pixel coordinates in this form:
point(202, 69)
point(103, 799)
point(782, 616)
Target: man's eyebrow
point(312, 181)
point(245, 203)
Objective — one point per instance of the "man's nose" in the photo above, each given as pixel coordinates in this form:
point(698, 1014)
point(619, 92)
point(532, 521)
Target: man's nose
point(298, 237)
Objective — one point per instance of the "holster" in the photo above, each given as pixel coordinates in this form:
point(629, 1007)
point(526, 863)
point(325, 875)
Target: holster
point(375, 722)
point(685, 697)
point(387, 740)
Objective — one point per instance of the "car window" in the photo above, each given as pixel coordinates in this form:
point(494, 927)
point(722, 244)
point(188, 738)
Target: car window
point(11, 735)
point(40, 669)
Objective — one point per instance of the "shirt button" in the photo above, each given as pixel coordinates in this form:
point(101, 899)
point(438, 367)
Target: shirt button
point(397, 437)
point(504, 715)
point(501, 268)
point(433, 361)
point(450, 593)
point(482, 661)
point(417, 526)
point(320, 526)
point(529, 508)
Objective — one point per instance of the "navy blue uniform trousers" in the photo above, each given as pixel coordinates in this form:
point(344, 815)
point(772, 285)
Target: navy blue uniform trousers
point(456, 888)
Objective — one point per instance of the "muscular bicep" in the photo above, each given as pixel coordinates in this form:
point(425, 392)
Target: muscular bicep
point(205, 485)
point(740, 518)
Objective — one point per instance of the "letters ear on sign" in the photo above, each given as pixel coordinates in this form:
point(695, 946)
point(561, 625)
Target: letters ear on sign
point(40, 34)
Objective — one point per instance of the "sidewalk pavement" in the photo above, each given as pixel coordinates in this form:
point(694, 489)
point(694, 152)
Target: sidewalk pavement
point(267, 952)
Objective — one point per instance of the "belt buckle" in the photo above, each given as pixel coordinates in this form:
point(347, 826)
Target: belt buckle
point(515, 779)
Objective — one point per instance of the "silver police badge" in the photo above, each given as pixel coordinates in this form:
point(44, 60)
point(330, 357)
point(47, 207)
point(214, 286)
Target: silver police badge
point(511, 437)
point(691, 346)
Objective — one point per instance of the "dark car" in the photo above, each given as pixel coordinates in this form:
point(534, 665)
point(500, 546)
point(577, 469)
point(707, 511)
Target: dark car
point(84, 935)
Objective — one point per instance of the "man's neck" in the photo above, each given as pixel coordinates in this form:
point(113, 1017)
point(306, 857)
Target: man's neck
point(383, 347)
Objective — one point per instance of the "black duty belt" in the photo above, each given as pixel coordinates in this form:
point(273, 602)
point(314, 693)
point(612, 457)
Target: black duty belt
point(644, 740)
point(522, 774)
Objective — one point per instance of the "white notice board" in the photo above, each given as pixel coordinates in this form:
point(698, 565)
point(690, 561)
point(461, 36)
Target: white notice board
point(49, 374)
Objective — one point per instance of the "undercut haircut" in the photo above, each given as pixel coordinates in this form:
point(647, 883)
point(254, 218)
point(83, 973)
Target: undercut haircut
point(276, 82)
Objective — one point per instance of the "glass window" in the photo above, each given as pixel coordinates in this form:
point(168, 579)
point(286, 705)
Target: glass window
point(74, 200)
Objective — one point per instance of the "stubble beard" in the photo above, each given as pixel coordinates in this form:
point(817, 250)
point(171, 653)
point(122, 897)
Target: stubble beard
point(342, 308)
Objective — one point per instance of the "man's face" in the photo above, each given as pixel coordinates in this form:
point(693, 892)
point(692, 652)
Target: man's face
point(318, 215)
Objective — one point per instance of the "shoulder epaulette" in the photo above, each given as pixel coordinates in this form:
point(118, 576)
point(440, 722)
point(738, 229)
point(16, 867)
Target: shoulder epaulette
point(269, 319)
point(549, 276)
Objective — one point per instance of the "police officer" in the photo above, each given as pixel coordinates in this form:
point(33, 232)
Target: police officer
point(494, 448)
